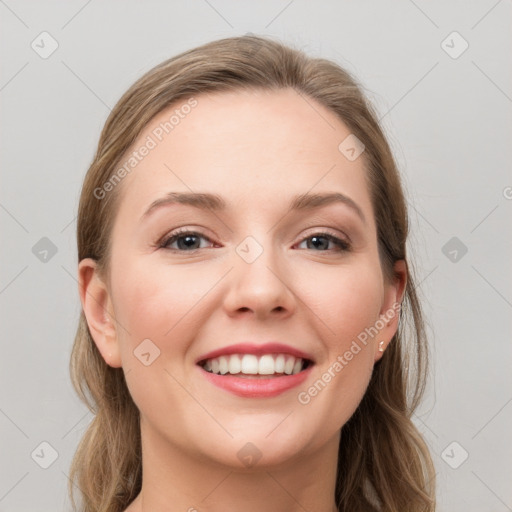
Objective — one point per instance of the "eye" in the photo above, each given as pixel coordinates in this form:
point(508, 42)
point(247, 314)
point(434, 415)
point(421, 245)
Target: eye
point(186, 241)
point(321, 241)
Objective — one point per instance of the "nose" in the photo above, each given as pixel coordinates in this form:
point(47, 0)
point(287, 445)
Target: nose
point(261, 288)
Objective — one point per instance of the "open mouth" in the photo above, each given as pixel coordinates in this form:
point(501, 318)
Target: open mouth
point(252, 366)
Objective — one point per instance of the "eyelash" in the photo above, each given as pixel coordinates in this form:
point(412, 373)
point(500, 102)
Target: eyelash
point(343, 245)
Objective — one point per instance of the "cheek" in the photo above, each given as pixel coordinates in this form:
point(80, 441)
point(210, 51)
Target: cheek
point(166, 305)
point(160, 305)
point(153, 302)
point(345, 299)
point(347, 304)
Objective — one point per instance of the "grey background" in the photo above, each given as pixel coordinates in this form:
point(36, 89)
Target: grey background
point(448, 120)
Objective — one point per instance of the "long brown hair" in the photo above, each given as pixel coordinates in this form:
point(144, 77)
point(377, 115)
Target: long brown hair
point(384, 464)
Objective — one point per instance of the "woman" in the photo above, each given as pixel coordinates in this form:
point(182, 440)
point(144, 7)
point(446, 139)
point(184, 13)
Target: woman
point(242, 266)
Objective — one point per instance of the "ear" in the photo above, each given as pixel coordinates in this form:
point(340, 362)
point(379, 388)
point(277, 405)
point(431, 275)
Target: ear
point(390, 312)
point(97, 307)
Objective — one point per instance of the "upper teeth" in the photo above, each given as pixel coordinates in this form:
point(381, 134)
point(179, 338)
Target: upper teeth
point(267, 364)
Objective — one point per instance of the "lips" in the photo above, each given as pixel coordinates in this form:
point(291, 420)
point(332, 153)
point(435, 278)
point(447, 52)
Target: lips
point(251, 370)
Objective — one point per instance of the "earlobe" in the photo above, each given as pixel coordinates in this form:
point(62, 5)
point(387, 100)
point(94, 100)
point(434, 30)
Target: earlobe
point(390, 312)
point(98, 311)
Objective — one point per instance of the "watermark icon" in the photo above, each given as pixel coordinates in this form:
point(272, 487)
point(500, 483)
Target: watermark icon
point(507, 192)
point(44, 45)
point(44, 250)
point(454, 249)
point(146, 352)
point(44, 455)
point(136, 156)
point(351, 147)
point(249, 455)
point(249, 249)
point(454, 45)
point(304, 397)
point(454, 455)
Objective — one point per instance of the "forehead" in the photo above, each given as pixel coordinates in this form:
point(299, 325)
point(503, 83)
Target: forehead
point(248, 145)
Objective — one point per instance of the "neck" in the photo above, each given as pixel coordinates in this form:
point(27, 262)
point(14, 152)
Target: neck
point(177, 481)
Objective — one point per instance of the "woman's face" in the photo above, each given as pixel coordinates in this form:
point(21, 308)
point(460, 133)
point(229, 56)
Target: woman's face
point(265, 274)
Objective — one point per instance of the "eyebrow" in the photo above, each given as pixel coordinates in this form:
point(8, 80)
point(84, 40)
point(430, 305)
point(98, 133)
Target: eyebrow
point(214, 202)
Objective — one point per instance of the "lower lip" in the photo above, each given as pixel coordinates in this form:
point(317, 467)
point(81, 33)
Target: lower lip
point(259, 387)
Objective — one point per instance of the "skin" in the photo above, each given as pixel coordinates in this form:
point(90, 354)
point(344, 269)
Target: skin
point(256, 150)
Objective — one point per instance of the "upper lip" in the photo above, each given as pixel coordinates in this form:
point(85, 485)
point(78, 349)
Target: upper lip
point(256, 349)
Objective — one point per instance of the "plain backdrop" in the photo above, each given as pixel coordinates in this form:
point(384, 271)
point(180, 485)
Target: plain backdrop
point(439, 75)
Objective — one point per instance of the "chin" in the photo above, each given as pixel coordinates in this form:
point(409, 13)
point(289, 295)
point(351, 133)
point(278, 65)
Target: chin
point(259, 450)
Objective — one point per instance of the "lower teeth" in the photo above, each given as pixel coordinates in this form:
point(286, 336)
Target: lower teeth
point(251, 375)
point(256, 376)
